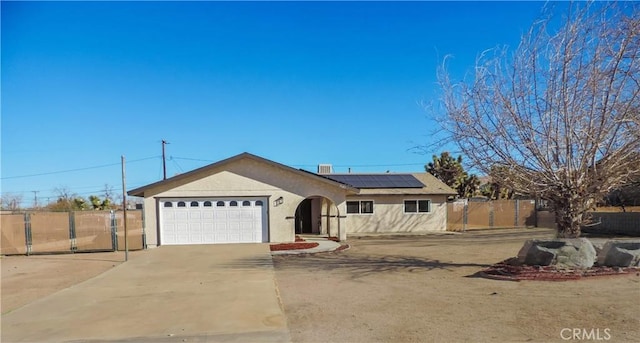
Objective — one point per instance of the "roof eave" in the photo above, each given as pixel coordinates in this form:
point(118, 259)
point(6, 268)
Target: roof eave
point(140, 190)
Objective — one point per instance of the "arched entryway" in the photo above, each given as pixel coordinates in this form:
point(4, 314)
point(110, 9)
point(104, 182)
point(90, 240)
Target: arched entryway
point(317, 215)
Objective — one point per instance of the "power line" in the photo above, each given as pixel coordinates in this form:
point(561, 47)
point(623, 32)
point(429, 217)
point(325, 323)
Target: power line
point(191, 159)
point(176, 163)
point(73, 170)
point(314, 165)
point(378, 165)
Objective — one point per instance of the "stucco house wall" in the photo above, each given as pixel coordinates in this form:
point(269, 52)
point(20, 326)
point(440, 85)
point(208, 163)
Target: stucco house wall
point(241, 178)
point(284, 189)
point(388, 215)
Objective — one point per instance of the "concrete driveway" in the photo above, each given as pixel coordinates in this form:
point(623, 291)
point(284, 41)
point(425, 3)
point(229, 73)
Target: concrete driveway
point(197, 293)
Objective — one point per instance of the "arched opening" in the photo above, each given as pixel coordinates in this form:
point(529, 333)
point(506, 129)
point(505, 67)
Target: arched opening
point(317, 215)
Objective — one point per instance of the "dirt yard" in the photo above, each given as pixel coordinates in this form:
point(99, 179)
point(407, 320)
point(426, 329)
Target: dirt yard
point(422, 289)
point(28, 278)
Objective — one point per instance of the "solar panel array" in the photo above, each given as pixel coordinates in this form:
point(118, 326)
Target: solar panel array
point(377, 180)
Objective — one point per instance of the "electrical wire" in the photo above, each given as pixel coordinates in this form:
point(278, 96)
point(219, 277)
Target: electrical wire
point(75, 170)
point(313, 165)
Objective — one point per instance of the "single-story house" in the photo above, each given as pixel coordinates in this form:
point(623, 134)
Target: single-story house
point(247, 198)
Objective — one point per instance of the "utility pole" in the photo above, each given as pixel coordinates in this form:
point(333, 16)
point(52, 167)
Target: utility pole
point(124, 210)
point(164, 161)
point(35, 199)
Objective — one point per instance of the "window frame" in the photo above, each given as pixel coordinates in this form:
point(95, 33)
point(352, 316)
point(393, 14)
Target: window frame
point(360, 207)
point(416, 203)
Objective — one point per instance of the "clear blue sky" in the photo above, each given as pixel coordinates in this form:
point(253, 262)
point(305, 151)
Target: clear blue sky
point(296, 82)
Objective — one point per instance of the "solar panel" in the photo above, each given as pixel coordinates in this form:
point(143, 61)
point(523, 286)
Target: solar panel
point(377, 180)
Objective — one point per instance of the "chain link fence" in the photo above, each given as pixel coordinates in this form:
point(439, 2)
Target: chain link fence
point(41, 232)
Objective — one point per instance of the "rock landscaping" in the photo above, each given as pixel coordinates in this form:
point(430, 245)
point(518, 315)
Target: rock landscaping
point(567, 259)
point(620, 254)
point(512, 270)
point(562, 253)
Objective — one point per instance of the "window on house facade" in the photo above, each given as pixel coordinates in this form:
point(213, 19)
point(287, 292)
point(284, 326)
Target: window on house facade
point(360, 207)
point(417, 206)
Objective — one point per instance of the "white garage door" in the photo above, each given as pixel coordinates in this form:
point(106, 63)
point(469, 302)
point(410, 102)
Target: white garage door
point(211, 221)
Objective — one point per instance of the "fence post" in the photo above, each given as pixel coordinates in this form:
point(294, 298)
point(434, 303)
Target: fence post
point(72, 231)
point(465, 215)
point(144, 232)
point(517, 213)
point(27, 232)
point(491, 220)
point(114, 231)
point(535, 212)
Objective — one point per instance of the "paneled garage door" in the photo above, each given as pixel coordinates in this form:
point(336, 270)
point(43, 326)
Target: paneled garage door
point(211, 221)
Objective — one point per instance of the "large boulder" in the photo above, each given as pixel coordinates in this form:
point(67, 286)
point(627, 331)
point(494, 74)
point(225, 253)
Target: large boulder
point(568, 253)
point(620, 254)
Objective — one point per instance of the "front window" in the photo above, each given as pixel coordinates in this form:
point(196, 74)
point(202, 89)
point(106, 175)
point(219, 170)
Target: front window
point(366, 207)
point(417, 206)
point(360, 207)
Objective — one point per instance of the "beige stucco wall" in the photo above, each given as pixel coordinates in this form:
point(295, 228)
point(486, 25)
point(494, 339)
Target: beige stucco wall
point(246, 177)
point(388, 215)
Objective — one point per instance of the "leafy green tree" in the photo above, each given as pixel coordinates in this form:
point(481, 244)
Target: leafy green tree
point(100, 204)
point(450, 171)
point(497, 187)
point(67, 201)
point(469, 186)
point(79, 203)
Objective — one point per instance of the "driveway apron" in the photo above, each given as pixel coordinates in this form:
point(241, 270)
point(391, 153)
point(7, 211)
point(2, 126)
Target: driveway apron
point(213, 292)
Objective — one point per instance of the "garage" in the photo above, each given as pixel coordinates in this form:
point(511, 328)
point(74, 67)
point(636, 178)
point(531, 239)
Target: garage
point(213, 220)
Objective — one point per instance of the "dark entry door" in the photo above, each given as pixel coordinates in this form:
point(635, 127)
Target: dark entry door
point(303, 217)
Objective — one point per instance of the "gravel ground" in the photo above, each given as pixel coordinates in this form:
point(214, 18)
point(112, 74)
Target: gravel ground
point(28, 278)
point(422, 289)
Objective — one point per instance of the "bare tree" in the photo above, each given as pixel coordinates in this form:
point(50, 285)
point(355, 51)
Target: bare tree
point(108, 192)
point(11, 202)
point(560, 112)
point(67, 201)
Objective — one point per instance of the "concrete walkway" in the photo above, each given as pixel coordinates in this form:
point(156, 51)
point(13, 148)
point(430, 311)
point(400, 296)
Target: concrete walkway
point(197, 293)
point(324, 245)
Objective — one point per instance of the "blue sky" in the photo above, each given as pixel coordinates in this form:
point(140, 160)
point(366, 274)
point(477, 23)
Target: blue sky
point(300, 83)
